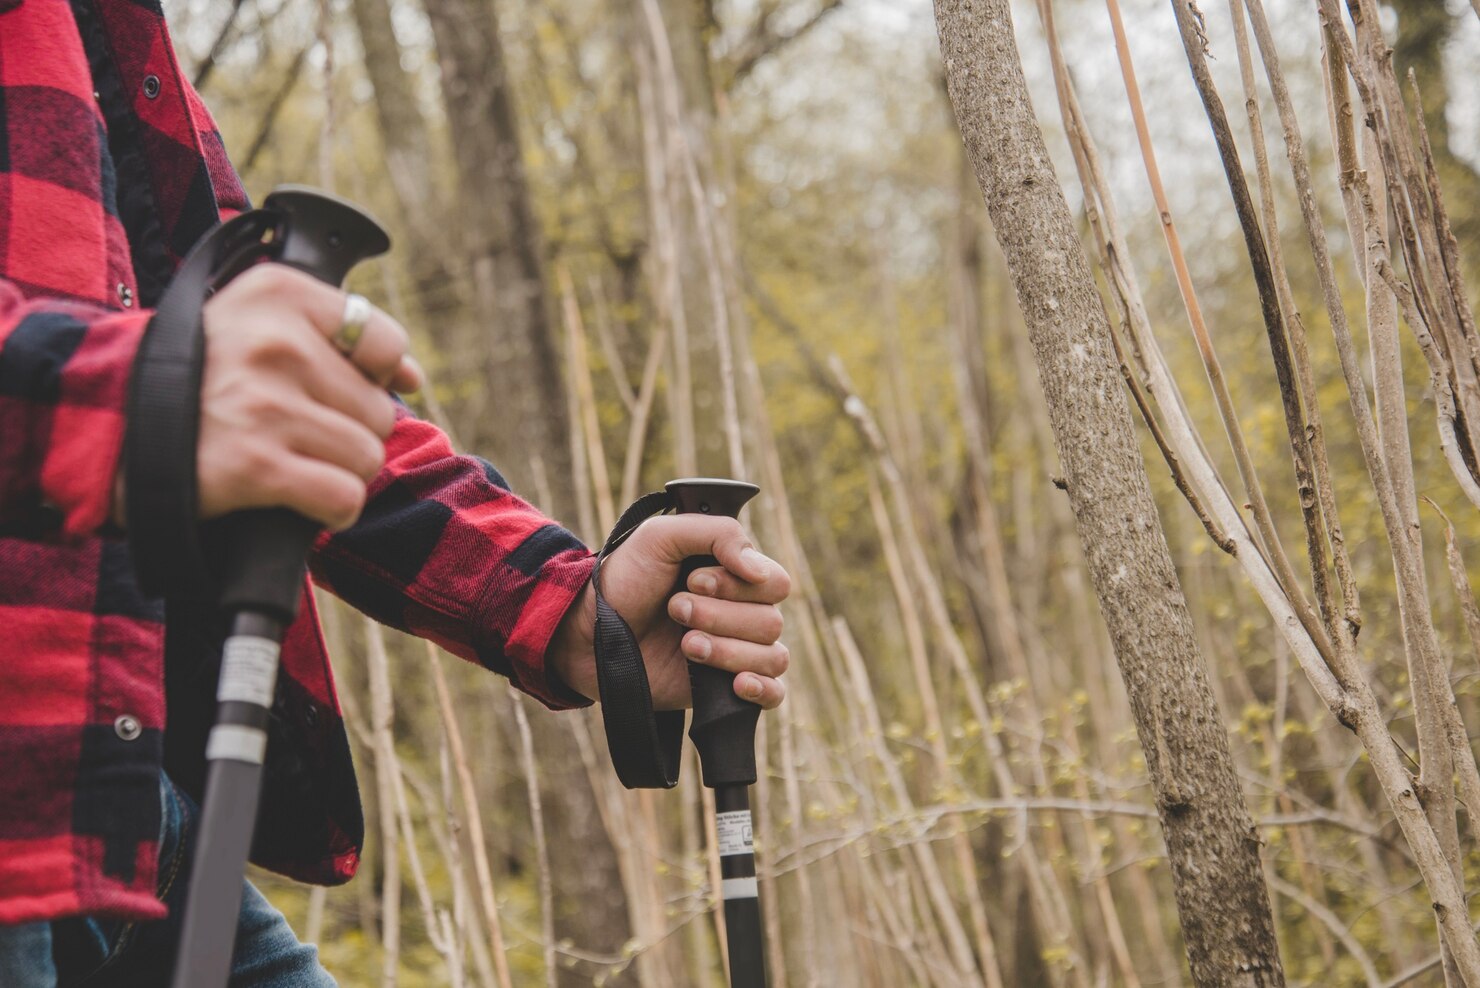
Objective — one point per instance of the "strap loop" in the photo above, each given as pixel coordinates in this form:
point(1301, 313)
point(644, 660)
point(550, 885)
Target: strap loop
point(645, 744)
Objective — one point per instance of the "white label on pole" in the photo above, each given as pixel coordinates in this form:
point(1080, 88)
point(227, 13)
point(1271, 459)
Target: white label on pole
point(734, 833)
point(233, 742)
point(248, 670)
point(738, 888)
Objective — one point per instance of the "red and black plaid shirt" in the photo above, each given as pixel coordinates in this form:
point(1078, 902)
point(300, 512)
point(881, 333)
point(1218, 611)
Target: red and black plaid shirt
point(110, 168)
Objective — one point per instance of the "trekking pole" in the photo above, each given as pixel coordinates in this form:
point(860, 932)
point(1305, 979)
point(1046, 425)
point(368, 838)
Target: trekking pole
point(723, 732)
point(262, 553)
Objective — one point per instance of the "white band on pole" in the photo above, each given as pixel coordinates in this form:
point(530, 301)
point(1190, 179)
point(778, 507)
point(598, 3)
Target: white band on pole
point(234, 742)
point(738, 888)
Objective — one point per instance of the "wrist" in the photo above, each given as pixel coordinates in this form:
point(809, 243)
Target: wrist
point(571, 657)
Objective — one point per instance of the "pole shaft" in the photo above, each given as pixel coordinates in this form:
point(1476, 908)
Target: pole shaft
point(234, 753)
point(733, 838)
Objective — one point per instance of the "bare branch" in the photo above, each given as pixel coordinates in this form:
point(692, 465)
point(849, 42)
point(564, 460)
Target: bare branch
point(765, 40)
point(218, 47)
point(274, 107)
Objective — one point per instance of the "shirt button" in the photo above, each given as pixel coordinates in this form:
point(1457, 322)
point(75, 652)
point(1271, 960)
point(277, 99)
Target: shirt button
point(127, 727)
point(125, 295)
point(151, 86)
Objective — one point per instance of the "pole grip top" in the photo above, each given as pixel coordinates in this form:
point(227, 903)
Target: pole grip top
point(263, 552)
point(723, 725)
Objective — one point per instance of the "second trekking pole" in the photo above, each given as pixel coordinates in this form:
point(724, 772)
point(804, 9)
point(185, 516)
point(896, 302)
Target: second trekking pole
point(646, 744)
point(723, 731)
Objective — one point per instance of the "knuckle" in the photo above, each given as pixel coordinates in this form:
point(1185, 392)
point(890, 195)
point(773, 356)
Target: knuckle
point(265, 406)
point(266, 279)
point(778, 622)
point(783, 658)
point(280, 345)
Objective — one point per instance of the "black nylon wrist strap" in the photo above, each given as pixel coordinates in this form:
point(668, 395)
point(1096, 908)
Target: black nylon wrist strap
point(645, 744)
point(164, 415)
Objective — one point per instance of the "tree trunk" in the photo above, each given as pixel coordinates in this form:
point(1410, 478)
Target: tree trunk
point(1211, 843)
point(406, 141)
point(520, 409)
point(403, 130)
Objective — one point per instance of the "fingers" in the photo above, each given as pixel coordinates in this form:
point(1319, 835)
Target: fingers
point(762, 690)
point(677, 537)
point(381, 351)
point(321, 433)
point(735, 655)
point(716, 581)
point(328, 494)
point(759, 623)
point(333, 381)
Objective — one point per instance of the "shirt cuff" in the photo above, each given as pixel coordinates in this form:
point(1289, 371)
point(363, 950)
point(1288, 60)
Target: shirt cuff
point(561, 581)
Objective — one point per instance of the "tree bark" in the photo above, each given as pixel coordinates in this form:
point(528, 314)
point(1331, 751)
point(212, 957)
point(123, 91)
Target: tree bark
point(1221, 896)
point(522, 414)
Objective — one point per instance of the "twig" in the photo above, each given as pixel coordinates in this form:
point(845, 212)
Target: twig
point(203, 70)
point(1333, 923)
point(474, 817)
point(1226, 410)
point(1460, 578)
point(541, 842)
point(274, 106)
point(382, 719)
point(1143, 404)
point(1325, 510)
point(589, 422)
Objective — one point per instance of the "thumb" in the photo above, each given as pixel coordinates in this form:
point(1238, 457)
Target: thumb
point(677, 537)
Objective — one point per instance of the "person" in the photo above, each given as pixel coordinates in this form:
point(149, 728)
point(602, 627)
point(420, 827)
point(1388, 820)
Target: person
point(110, 169)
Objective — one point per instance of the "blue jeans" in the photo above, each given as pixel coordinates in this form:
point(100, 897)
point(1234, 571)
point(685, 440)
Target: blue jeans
point(108, 953)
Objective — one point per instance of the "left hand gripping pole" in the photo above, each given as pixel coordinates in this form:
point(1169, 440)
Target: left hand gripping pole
point(259, 555)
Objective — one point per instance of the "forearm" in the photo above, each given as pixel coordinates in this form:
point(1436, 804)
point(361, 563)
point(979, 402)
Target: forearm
point(445, 551)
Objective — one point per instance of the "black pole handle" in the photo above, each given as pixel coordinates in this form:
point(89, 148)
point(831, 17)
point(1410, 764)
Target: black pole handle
point(723, 725)
point(263, 552)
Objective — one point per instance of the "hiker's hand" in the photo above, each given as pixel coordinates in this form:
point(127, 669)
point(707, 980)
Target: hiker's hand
point(727, 617)
point(286, 420)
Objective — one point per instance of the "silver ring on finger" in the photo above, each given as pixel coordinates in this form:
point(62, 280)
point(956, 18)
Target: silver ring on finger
point(357, 309)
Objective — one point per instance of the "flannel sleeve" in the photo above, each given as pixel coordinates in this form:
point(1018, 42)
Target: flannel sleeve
point(445, 551)
point(64, 372)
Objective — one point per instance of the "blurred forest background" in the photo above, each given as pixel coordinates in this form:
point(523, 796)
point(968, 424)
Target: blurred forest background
point(657, 238)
